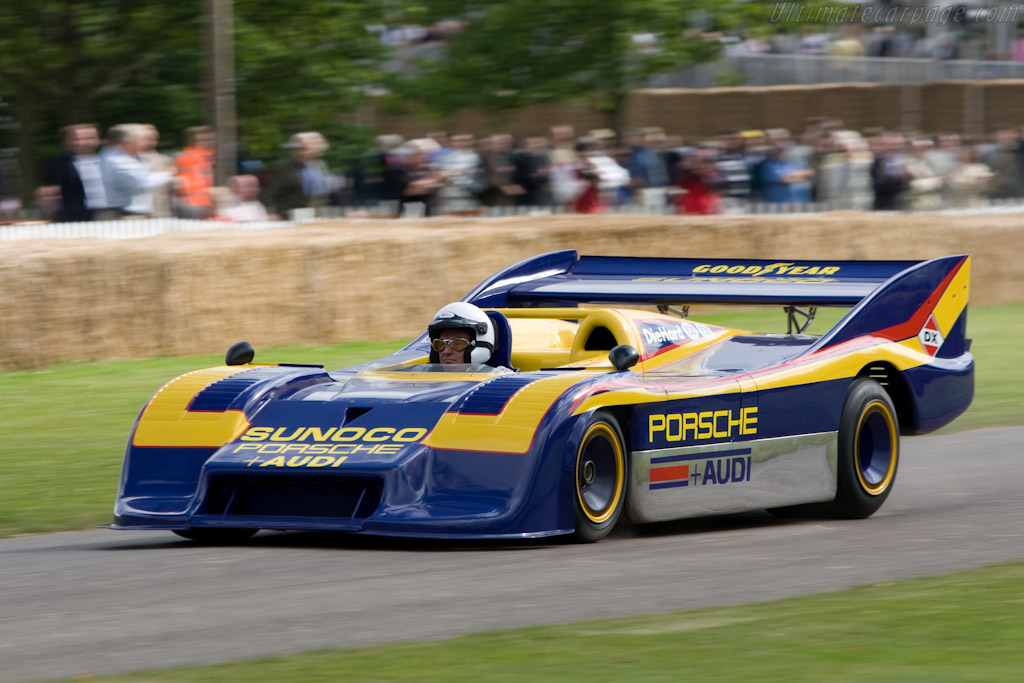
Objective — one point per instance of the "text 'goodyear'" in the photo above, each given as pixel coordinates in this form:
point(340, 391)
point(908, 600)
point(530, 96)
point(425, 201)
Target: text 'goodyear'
point(785, 268)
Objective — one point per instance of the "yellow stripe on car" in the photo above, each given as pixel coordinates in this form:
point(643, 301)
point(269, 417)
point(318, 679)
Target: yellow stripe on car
point(954, 300)
point(167, 422)
point(511, 430)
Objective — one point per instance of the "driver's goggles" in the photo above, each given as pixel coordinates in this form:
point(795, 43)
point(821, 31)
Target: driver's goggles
point(456, 344)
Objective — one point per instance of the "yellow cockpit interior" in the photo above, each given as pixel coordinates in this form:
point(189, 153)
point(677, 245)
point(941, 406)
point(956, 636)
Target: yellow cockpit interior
point(555, 337)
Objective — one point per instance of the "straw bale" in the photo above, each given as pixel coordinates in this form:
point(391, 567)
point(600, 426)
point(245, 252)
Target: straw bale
point(358, 279)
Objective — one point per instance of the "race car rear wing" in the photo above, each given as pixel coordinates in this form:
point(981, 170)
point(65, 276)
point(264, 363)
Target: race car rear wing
point(894, 300)
point(566, 279)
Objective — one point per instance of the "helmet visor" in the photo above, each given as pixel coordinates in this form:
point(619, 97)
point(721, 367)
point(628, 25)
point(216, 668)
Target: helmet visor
point(456, 344)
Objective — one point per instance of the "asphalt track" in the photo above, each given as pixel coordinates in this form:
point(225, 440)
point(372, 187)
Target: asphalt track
point(104, 601)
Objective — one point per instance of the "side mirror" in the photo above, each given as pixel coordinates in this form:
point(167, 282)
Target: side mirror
point(240, 353)
point(624, 356)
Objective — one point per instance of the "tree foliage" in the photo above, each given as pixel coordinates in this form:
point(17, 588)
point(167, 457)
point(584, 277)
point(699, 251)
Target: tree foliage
point(302, 66)
point(518, 52)
point(299, 66)
point(69, 55)
point(59, 59)
point(512, 53)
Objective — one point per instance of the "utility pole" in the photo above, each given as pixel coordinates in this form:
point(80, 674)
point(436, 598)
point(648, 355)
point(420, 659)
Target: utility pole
point(220, 91)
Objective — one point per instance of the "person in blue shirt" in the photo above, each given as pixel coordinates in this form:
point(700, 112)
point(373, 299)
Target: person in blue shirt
point(785, 180)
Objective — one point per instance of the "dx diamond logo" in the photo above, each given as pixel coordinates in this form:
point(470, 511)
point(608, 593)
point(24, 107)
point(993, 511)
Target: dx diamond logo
point(930, 336)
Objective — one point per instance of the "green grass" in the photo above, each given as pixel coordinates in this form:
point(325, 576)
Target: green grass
point(961, 627)
point(64, 429)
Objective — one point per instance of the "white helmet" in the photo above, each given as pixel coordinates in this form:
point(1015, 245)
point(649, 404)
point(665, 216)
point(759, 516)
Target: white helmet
point(463, 316)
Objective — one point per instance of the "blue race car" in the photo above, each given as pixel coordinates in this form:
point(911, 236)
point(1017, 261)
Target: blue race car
point(598, 398)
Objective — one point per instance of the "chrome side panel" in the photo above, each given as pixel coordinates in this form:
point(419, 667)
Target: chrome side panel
point(732, 477)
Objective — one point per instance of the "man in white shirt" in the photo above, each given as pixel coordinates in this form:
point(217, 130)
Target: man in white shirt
point(125, 176)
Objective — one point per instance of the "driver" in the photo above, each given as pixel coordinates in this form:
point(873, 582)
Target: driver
point(460, 333)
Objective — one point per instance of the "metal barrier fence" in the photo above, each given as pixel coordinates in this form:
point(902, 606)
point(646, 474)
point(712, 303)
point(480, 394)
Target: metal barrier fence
point(138, 228)
point(122, 229)
point(772, 69)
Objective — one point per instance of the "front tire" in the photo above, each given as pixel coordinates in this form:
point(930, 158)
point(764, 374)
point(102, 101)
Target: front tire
point(600, 476)
point(869, 448)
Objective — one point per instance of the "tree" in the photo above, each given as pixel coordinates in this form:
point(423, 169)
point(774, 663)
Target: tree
point(513, 53)
point(58, 58)
point(299, 66)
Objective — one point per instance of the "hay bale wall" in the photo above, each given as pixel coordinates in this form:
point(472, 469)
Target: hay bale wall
point(349, 280)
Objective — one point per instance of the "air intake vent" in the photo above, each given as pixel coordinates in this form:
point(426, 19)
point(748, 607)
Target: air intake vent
point(219, 395)
point(306, 497)
point(354, 412)
point(489, 398)
point(880, 374)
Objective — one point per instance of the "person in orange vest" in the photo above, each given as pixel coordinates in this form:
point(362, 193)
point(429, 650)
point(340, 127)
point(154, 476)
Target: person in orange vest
point(194, 174)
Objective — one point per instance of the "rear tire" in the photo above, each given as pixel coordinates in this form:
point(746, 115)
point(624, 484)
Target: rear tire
point(601, 473)
point(212, 536)
point(869, 448)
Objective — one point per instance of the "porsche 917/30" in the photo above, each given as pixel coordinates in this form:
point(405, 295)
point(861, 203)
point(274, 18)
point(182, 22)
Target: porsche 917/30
point(600, 399)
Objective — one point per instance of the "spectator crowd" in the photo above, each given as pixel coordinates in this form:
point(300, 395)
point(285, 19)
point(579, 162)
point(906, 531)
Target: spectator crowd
point(128, 176)
point(883, 40)
point(826, 166)
point(739, 171)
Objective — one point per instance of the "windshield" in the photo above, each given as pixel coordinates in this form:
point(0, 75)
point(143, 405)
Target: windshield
point(438, 367)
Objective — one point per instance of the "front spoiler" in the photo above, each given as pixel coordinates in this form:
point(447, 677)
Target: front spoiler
point(340, 526)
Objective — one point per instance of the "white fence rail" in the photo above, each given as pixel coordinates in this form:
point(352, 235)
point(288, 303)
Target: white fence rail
point(122, 229)
point(381, 216)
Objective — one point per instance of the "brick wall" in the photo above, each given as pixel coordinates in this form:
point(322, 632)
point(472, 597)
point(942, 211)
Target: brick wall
point(966, 107)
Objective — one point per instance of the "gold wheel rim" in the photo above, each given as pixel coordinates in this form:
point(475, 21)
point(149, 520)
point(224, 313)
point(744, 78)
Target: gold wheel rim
point(880, 408)
point(601, 430)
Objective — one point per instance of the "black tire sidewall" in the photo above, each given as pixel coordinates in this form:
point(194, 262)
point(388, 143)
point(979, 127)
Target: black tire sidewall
point(852, 500)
